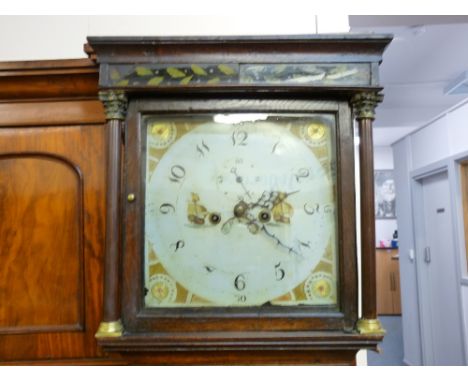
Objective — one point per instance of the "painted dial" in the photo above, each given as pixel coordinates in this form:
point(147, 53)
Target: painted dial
point(238, 213)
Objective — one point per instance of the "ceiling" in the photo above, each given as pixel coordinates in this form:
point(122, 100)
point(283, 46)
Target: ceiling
point(425, 56)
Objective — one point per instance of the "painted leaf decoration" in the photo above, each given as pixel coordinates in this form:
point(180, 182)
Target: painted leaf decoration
point(199, 70)
point(122, 83)
point(186, 80)
point(214, 80)
point(142, 71)
point(226, 69)
point(155, 81)
point(279, 68)
point(175, 73)
point(114, 74)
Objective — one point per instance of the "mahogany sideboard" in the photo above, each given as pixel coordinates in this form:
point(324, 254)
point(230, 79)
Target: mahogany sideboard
point(52, 198)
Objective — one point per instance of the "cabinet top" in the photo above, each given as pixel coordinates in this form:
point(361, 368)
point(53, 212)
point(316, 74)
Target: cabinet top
point(240, 38)
point(331, 60)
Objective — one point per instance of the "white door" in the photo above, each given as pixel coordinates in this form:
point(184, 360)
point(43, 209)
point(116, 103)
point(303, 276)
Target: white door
point(438, 281)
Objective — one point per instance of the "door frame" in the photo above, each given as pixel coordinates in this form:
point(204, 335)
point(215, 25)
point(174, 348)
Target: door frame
point(456, 182)
point(417, 177)
point(455, 163)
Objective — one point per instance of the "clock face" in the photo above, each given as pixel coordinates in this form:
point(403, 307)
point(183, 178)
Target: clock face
point(240, 210)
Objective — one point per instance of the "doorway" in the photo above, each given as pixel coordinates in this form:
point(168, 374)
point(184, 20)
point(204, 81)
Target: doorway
point(438, 290)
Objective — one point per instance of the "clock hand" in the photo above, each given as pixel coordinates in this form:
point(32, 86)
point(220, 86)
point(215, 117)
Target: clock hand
point(273, 200)
point(278, 241)
point(240, 181)
point(241, 214)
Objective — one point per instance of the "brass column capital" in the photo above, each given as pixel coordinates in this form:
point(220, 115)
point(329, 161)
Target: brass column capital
point(364, 104)
point(115, 104)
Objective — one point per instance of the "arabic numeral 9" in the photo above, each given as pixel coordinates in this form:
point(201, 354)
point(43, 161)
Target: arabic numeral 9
point(165, 208)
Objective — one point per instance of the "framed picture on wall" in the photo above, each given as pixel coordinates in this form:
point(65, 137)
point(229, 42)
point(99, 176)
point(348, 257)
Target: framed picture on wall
point(384, 194)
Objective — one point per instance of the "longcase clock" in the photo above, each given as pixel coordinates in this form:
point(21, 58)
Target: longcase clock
point(231, 234)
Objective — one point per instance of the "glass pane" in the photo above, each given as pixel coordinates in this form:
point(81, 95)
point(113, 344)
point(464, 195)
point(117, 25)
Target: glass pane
point(240, 210)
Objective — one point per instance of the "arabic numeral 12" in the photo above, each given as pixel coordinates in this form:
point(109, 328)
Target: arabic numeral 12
point(239, 138)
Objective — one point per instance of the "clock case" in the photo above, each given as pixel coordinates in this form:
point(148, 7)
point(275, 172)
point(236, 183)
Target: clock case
point(307, 333)
point(188, 319)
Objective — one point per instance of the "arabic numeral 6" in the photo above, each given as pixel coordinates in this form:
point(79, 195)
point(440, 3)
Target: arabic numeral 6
point(239, 282)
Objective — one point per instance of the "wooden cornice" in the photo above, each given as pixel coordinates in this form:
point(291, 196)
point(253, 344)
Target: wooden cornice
point(50, 79)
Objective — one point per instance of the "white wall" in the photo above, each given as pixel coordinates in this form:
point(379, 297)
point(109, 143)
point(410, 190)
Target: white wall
point(430, 144)
point(384, 228)
point(457, 126)
point(442, 142)
point(62, 37)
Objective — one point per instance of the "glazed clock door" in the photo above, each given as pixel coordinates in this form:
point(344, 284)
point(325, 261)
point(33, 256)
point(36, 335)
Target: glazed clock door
point(239, 212)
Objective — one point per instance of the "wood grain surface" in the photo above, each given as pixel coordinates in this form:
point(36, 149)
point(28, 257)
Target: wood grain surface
point(41, 198)
point(52, 226)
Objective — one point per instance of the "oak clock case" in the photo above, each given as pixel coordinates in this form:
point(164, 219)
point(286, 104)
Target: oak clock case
point(236, 217)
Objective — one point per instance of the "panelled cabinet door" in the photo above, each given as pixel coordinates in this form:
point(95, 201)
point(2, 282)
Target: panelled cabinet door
point(388, 282)
point(51, 200)
point(52, 234)
point(235, 200)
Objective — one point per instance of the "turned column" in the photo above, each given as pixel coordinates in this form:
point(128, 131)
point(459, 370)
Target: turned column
point(115, 106)
point(364, 105)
